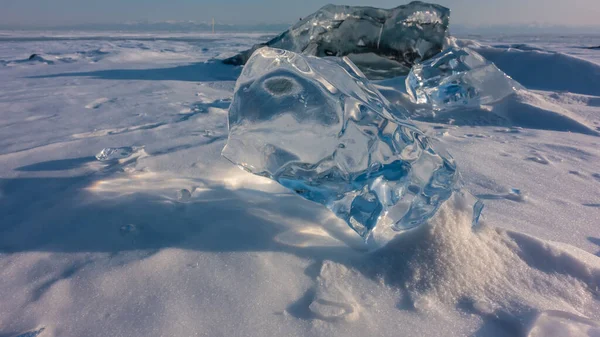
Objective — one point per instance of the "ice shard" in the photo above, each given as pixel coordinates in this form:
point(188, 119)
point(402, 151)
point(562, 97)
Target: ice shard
point(383, 43)
point(320, 128)
point(458, 77)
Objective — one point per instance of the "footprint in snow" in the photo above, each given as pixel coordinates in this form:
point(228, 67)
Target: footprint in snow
point(332, 311)
point(333, 302)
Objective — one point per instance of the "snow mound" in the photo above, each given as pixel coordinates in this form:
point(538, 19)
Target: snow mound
point(546, 70)
point(491, 270)
point(531, 110)
point(523, 108)
point(499, 275)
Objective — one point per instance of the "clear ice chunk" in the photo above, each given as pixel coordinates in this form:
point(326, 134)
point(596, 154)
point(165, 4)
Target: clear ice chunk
point(320, 128)
point(383, 43)
point(458, 77)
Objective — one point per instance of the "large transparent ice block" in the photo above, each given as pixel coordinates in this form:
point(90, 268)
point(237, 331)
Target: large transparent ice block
point(381, 42)
point(458, 77)
point(320, 128)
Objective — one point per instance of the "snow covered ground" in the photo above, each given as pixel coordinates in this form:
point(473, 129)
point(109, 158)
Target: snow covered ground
point(169, 239)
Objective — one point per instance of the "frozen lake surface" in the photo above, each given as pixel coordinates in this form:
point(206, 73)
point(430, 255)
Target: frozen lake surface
point(163, 237)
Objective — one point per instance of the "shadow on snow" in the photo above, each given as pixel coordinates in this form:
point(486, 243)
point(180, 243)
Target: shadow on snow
point(197, 72)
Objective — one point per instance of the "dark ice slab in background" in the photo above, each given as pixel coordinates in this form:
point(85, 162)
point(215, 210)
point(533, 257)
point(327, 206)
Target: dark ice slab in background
point(381, 42)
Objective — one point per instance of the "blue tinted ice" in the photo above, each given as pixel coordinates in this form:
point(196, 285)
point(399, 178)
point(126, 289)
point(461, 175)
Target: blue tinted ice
point(319, 128)
point(458, 77)
point(381, 42)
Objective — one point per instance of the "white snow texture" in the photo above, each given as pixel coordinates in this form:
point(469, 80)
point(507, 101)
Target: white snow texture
point(160, 236)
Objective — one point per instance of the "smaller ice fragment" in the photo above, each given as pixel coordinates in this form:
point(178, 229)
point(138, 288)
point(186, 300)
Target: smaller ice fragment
point(458, 77)
point(114, 153)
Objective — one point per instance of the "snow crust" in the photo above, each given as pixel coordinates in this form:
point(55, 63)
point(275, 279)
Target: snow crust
point(170, 239)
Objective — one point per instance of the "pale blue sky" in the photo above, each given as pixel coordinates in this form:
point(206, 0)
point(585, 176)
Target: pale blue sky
point(464, 12)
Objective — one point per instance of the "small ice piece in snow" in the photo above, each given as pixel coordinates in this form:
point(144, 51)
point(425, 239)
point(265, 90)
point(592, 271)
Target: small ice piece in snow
point(515, 194)
point(129, 229)
point(38, 58)
point(184, 195)
point(458, 77)
point(320, 128)
point(114, 153)
point(383, 43)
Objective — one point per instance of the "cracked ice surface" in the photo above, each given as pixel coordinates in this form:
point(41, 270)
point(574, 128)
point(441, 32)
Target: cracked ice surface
point(458, 77)
point(318, 127)
point(381, 42)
